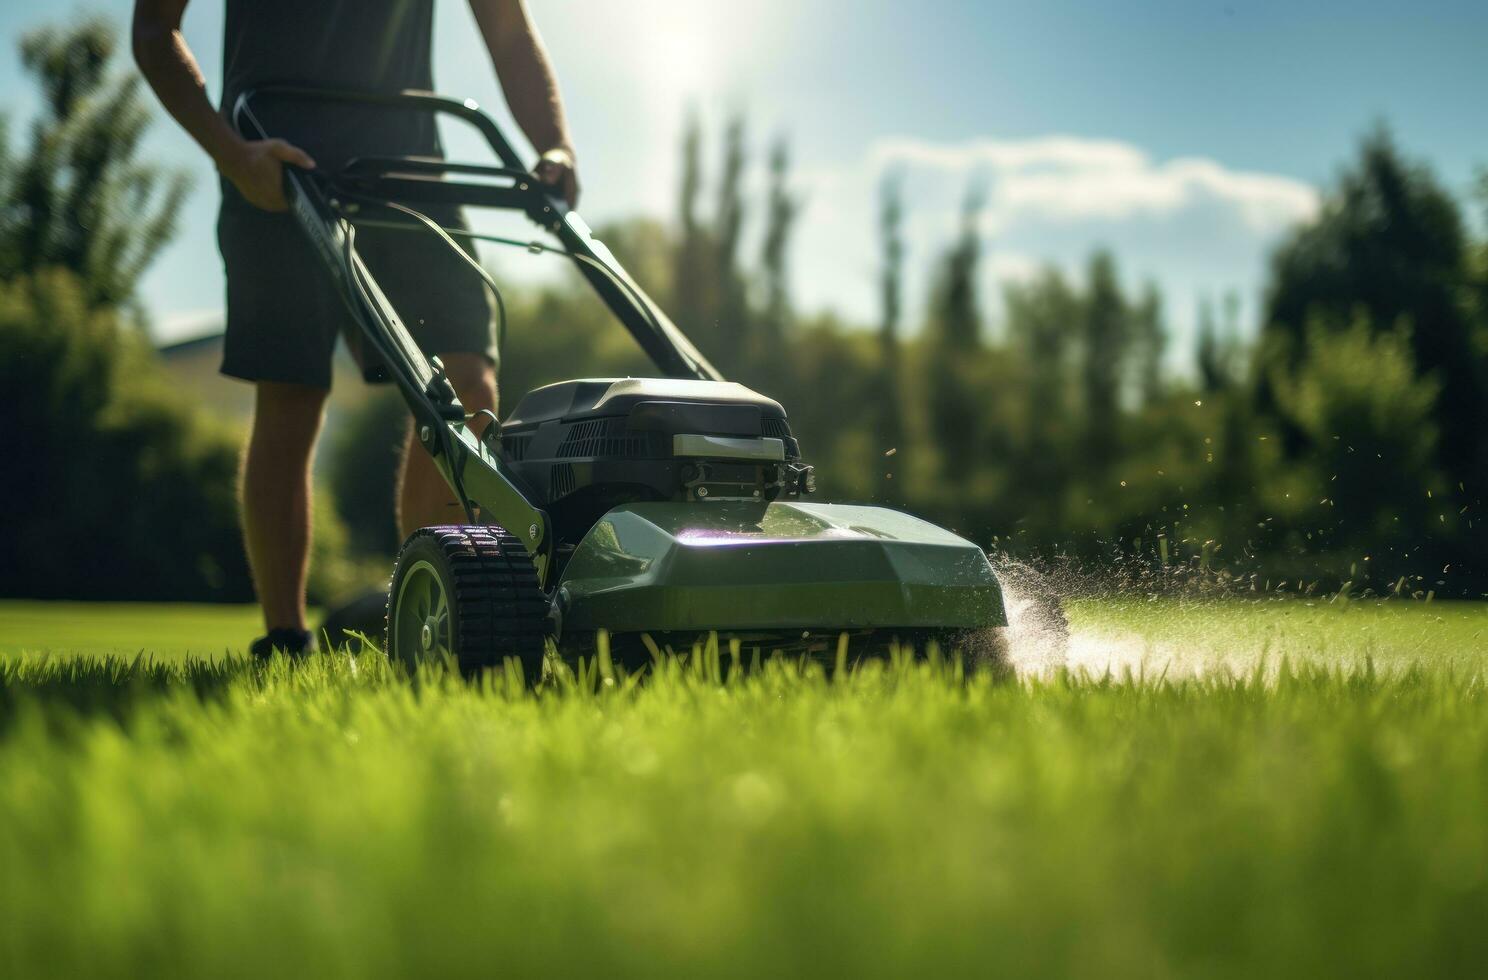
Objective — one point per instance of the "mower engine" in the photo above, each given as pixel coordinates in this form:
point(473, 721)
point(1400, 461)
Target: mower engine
point(580, 447)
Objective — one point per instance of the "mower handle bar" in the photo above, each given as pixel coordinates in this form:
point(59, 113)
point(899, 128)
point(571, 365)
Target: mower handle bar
point(419, 179)
point(466, 109)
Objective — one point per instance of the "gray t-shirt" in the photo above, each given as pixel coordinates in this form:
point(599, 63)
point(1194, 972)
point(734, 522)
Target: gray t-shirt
point(365, 45)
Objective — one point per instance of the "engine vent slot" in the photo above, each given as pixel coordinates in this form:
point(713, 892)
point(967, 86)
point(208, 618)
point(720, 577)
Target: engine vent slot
point(774, 428)
point(606, 437)
point(561, 481)
point(516, 446)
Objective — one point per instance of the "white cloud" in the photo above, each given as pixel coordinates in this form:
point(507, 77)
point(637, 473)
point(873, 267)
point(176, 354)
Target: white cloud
point(1005, 266)
point(1009, 155)
point(1193, 225)
point(1069, 178)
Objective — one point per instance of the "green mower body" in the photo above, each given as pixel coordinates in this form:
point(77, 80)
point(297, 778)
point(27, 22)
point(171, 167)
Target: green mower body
point(774, 568)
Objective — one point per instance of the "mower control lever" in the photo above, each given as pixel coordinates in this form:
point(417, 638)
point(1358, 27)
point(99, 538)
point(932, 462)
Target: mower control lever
point(420, 180)
point(442, 392)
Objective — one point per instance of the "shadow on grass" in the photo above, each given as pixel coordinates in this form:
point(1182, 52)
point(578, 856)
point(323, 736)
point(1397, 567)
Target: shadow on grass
point(112, 687)
point(63, 691)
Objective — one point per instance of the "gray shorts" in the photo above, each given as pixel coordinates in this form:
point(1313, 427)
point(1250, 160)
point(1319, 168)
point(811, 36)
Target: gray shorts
point(283, 315)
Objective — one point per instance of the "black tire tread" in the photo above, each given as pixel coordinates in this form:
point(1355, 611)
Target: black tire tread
point(498, 609)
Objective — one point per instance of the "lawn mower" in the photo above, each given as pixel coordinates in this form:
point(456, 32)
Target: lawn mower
point(656, 509)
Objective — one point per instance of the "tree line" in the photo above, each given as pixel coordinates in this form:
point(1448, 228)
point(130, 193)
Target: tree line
point(116, 486)
point(1337, 442)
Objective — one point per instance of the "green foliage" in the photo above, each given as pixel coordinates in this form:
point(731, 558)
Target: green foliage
point(740, 317)
point(1218, 353)
point(888, 422)
point(565, 332)
point(117, 489)
point(1319, 819)
point(1149, 339)
point(1106, 339)
point(956, 316)
point(1041, 314)
point(1391, 244)
point(1369, 488)
point(783, 209)
point(362, 473)
point(339, 563)
point(730, 316)
point(954, 330)
point(1391, 250)
point(841, 370)
point(79, 199)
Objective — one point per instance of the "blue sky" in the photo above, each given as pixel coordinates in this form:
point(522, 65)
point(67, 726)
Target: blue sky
point(1186, 136)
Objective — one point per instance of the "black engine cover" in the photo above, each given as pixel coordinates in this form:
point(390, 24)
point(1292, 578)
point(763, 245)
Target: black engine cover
point(581, 447)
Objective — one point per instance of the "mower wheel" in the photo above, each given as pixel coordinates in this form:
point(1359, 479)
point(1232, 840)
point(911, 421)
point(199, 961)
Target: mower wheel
point(467, 594)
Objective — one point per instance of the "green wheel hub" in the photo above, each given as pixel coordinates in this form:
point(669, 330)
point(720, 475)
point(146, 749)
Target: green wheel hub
point(424, 614)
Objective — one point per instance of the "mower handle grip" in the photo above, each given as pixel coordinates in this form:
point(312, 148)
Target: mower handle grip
point(464, 109)
point(544, 203)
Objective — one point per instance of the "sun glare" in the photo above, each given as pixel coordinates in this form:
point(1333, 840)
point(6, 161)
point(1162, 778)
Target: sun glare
point(676, 55)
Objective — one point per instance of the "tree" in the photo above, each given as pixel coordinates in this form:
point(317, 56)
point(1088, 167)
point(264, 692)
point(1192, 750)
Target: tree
point(1369, 486)
point(1106, 336)
point(1207, 356)
point(128, 492)
point(782, 209)
point(731, 313)
point(1150, 341)
point(79, 199)
point(1218, 354)
point(1479, 270)
point(710, 287)
point(1390, 244)
point(889, 427)
point(691, 266)
point(1042, 328)
point(957, 313)
point(955, 337)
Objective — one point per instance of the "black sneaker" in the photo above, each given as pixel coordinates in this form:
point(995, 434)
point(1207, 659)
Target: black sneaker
point(295, 644)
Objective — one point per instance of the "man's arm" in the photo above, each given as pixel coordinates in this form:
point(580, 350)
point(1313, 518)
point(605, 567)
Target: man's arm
point(530, 87)
point(255, 166)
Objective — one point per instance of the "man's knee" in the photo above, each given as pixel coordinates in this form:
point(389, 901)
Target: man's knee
point(474, 378)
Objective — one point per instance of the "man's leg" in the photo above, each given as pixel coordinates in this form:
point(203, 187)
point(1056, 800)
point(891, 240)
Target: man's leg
point(424, 499)
point(276, 497)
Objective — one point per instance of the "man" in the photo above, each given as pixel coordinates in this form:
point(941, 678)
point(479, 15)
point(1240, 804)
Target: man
point(282, 315)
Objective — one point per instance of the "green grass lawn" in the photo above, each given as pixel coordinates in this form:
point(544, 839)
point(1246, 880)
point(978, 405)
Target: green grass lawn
point(164, 632)
point(1274, 789)
point(1204, 636)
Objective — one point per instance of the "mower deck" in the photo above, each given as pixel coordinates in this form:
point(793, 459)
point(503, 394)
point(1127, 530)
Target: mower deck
point(743, 567)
